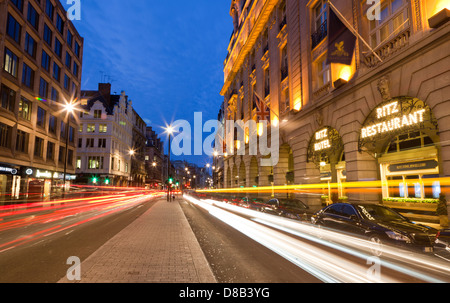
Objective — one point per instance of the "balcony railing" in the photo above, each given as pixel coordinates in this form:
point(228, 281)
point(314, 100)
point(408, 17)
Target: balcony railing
point(319, 34)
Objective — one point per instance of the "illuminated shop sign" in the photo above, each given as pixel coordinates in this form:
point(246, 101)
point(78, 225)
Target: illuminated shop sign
point(323, 142)
point(326, 145)
point(8, 170)
point(393, 118)
point(393, 121)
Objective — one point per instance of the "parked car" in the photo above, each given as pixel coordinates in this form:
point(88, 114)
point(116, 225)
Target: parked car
point(442, 244)
point(252, 203)
point(378, 223)
point(290, 208)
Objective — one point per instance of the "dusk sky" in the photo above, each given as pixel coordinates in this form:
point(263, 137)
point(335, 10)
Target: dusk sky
point(166, 55)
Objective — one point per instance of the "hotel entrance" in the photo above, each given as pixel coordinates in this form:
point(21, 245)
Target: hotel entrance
point(326, 151)
point(402, 134)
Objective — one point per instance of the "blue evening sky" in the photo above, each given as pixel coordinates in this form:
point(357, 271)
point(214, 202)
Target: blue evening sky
point(166, 55)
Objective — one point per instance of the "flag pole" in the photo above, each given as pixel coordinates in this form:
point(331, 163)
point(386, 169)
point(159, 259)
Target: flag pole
point(354, 31)
point(259, 97)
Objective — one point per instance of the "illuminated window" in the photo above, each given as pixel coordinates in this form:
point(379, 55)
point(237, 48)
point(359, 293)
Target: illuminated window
point(322, 72)
point(393, 18)
point(91, 128)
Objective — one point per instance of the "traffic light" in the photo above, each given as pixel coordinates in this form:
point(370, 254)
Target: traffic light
point(170, 180)
point(94, 180)
point(107, 181)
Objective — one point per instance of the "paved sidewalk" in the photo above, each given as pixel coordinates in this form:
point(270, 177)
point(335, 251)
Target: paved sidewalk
point(158, 247)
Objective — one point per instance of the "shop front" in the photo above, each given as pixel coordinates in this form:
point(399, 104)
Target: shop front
point(43, 183)
point(326, 151)
point(9, 182)
point(402, 134)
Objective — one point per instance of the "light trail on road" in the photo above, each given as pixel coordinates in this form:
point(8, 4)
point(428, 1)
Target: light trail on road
point(330, 256)
point(24, 223)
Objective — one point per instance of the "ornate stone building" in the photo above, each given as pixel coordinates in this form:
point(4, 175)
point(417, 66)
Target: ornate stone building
point(384, 117)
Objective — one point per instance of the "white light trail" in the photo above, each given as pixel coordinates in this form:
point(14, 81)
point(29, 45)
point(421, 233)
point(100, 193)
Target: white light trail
point(326, 266)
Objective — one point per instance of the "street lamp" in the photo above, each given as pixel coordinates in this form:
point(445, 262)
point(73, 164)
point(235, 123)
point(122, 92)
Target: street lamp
point(170, 130)
point(69, 108)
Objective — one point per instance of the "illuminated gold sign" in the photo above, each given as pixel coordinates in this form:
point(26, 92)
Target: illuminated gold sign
point(322, 140)
point(395, 123)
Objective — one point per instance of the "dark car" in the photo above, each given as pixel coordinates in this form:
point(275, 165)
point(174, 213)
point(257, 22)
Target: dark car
point(378, 223)
point(442, 244)
point(290, 208)
point(252, 203)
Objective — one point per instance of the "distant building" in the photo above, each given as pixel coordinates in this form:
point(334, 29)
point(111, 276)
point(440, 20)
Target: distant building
point(105, 142)
point(41, 53)
point(155, 164)
point(138, 165)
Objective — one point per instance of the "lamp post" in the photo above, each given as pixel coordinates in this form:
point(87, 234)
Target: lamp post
point(69, 108)
point(170, 131)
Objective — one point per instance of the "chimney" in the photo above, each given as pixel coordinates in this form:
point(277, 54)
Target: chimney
point(105, 90)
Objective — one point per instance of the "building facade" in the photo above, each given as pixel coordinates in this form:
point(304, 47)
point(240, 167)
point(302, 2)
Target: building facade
point(154, 160)
point(138, 165)
point(105, 144)
point(41, 53)
point(383, 116)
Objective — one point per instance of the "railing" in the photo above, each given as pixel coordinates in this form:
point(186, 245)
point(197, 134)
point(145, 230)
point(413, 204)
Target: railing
point(319, 34)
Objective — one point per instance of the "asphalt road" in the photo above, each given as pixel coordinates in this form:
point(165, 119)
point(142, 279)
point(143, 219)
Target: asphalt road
point(44, 260)
point(235, 258)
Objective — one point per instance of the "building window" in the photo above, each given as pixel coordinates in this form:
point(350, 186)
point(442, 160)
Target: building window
point(101, 143)
point(78, 162)
point(266, 82)
point(71, 134)
point(95, 162)
point(63, 130)
point(38, 147)
point(90, 128)
point(58, 47)
point(52, 124)
point(55, 95)
point(319, 29)
point(80, 129)
point(70, 157)
point(45, 63)
point(90, 142)
point(8, 98)
point(56, 71)
point(18, 4)
point(28, 76)
point(322, 72)
point(393, 18)
point(103, 128)
point(33, 16)
point(25, 109)
point(69, 38)
point(22, 141)
point(75, 69)
point(68, 60)
point(43, 88)
point(97, 114)
point(13, 28)
point(77, 49)
point(30, 46)
point(5, 135)
point(60, 24)
point(11, 63)
point(41, 114)
point(66, 82)
point(284, 63)
point(50, 151)
point(48, 35)
point(49, 9)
